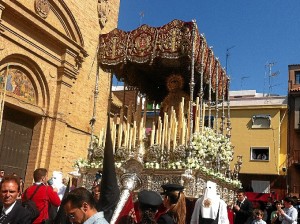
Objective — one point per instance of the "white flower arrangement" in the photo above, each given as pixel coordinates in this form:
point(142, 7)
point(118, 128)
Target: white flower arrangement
point(84, 163)
point(210, 146)
point(152, 165)
point(177, 165)
point(80, 163)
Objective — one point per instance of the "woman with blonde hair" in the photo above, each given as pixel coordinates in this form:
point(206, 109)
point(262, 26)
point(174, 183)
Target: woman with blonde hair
point(175, 204)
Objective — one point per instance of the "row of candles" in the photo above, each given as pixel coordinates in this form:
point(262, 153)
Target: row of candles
point(168, 132)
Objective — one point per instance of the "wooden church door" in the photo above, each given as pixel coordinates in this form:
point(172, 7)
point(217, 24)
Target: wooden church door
point(15, 141)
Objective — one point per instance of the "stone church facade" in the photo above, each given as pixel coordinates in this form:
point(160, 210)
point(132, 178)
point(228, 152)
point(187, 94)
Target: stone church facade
point(47, 81)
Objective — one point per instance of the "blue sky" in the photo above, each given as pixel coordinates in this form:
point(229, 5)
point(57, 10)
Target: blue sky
point(258, 32)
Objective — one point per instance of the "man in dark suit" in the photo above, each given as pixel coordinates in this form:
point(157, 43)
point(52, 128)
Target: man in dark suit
point(12, 211)
point(243, 208)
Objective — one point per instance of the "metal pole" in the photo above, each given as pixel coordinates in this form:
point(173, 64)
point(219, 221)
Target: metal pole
point(192, 84)
point(93, 119)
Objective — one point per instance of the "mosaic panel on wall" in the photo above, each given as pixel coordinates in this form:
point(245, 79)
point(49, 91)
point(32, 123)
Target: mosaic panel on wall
point(18, 84)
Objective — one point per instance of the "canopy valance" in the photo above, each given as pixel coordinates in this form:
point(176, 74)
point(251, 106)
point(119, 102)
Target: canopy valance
point(144, 57)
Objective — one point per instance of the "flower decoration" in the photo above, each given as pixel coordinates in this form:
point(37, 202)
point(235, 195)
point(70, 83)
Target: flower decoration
point(121, 154)
point(210, 146)
point(153, 154)
point(84, 163)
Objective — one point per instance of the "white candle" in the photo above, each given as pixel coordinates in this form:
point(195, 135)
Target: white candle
point(162, 139)
point(183, 132)
point(157, 131)
point(169, 139)
point(152, 134)
point(175, 136)
point(130, 139)
point(120, 134)
point(160, 133)
point(114, 137)
point(127, 135)
point(134, 134)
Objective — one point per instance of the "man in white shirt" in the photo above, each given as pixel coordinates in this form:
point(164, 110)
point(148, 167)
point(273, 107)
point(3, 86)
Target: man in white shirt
point(289, 214)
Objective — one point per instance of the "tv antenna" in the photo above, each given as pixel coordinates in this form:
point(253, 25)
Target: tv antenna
point(271, 75)
point(227, 56)
point(242, 80)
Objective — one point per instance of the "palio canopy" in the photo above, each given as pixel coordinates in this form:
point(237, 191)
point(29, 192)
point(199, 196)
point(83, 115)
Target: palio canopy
point(144, 57)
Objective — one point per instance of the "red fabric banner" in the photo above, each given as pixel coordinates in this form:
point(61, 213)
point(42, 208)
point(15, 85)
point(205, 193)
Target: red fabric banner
point(259, 196)
point(127, 212)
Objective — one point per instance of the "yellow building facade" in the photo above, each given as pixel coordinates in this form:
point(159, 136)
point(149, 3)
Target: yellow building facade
point(259, 135)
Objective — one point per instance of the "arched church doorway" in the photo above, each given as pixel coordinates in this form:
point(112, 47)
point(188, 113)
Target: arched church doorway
point(15, 141)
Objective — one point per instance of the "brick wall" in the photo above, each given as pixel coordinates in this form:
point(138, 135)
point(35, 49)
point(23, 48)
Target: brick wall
point(65, 93)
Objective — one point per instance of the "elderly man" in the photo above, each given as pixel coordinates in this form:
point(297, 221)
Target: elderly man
point(12, 210)
point(80, 208)
point(210, 208)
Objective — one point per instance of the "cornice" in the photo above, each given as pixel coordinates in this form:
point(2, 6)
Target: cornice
point(41, 28)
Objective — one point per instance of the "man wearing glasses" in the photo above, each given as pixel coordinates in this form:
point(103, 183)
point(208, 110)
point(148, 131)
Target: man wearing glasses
point(80, 207)
point(242, 209)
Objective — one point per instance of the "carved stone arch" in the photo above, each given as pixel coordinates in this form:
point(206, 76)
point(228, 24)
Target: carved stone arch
point(65, 16)
point(34, 73)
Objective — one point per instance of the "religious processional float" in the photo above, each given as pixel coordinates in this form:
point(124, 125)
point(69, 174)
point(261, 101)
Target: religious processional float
point(189, 142)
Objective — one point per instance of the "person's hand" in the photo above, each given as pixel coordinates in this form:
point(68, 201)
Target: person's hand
point(55, 189)
point(280, 212)
point(236, 207)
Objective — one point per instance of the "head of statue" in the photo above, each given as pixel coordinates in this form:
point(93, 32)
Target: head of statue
point(175, 82)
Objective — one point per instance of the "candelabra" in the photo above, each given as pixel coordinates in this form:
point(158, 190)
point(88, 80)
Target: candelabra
point(237, 167)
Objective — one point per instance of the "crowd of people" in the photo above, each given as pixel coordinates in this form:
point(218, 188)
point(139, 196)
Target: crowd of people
point(81, 205)
point(260, 212)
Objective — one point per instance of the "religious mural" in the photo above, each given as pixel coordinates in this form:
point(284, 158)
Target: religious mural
point(17, 83)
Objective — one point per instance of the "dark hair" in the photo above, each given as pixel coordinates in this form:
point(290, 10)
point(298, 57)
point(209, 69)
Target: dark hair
point(148, 217)
point(240, 191)
point(289, 200)
point(144, 207)
point(78, 196)
point(258, 212)
point(39, 173)
point(11, 178)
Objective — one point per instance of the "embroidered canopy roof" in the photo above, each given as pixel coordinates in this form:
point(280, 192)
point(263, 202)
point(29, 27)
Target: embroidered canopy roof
point(146, 56)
